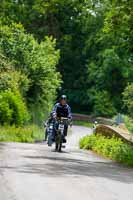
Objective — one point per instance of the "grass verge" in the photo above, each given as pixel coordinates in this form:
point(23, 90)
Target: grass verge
point(29, 134)
point(112, 148)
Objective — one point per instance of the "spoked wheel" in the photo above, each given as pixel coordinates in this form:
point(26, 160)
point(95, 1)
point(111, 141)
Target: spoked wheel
point(58, 143)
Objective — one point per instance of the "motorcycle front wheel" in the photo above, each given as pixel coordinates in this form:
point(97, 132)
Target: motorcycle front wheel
point(58, 143)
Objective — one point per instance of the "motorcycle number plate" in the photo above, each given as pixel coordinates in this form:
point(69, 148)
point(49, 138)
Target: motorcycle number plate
point(61, 126)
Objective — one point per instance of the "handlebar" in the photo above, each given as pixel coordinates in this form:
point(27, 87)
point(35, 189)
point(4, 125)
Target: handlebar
point(62, 118)
point(68, 120)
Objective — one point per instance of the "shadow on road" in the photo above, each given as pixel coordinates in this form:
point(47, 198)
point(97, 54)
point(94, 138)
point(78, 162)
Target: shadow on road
point(59, 166)
point(51, 164)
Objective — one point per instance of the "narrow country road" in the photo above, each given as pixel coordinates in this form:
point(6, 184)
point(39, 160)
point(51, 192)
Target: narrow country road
point(36, 172)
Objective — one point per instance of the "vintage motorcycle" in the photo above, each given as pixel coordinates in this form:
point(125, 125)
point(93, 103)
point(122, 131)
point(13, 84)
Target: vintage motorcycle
point(50, 130)
point(59, 136)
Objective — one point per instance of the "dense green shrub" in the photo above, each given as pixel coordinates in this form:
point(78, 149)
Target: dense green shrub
point(12, 108)
point(29, 133)
point(113, 148)
point(11, 78)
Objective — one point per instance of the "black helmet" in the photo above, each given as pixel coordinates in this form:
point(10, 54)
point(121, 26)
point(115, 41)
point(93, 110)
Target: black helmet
point(53, 114)
point(63, 97)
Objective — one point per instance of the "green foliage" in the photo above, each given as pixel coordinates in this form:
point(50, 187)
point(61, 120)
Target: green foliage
point(29, 67)
point(13, 86)
point(95, 40)
point(103, 105)
point(100, 62)
point(87, 142)
point(118, 29)
point(112, 148)
point(12, 79)
point(128, 99)
point(12, 108)
point(30, 133)
point(45, 79)
point(118, 22)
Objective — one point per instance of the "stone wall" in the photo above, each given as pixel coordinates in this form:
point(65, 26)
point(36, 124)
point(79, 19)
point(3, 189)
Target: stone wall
point(119, 132)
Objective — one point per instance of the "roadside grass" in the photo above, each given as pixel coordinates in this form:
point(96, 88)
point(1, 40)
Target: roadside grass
point(30, 134)
point(83, 123)
point(112, 148)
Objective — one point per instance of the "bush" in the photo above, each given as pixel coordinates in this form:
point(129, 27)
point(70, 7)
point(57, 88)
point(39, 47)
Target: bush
point(11, 78)
point(39, 79)
point(30, 133)
point(12, 108)
point(87, 142)
point(113, 148)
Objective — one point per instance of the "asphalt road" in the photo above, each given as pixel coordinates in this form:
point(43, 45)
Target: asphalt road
point(36, 172)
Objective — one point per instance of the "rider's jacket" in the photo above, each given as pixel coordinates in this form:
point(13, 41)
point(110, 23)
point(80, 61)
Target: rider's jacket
point(62, 110)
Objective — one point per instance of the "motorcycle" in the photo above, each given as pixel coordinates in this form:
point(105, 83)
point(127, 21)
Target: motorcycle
point(50, 130)
point(61, 123)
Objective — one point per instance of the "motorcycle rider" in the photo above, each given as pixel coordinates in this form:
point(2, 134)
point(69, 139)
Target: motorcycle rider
point(62, 109)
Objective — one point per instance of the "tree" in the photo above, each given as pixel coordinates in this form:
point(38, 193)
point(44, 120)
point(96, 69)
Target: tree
point(95, 41)
point(103, 105)
point(36, 64)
